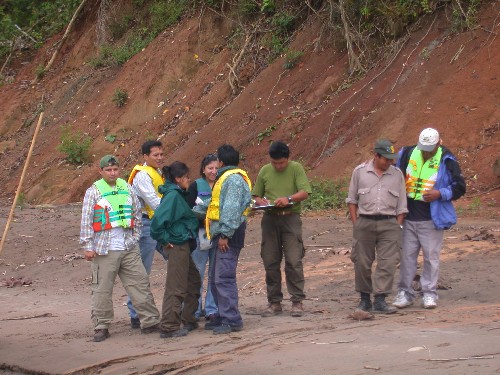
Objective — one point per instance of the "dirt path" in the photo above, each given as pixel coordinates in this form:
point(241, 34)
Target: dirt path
point(45, 327)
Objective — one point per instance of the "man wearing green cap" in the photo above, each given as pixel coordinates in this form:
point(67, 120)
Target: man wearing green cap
point(109, 235)
point(377, 206)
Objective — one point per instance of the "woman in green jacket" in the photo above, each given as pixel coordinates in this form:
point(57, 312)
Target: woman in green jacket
point(175, 227)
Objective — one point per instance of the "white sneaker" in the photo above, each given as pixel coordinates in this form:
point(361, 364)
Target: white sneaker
point(429, 302)
point(402, 300)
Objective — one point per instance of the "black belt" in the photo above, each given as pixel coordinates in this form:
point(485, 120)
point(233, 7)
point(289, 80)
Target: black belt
point(145, 216)
point(280, 212)
point(378, 217)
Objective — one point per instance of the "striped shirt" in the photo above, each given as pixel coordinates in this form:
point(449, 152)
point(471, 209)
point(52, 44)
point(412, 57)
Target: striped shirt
point(145, 190)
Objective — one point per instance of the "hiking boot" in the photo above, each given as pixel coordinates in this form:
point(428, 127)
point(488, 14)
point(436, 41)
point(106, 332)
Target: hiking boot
point(210, 317)
point(191, 326)
point(297, 309)
point(101, 335)
point(273, 309)
point(213, 322)
point(365, 304)
point(381, 307)
point(150, 329)
point(402, 300)
point(429, 302)
point(177, 333)
point(226, 328)
point(135, 323)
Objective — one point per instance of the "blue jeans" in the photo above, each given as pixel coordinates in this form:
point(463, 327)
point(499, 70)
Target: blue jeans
point(147, 247)
point(200, 259)
point(223, 284)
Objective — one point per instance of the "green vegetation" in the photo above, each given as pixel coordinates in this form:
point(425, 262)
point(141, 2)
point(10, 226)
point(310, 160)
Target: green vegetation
point(475, 204)
point(369, 26)
point(133, 32)
point(30, 23)
point(326, 195)
point(464, 16)
point(40, 71)
point(425, 53)
point(74, 145)
point(120, 97)
point(265, 133)
point(21, 200)
point(268, 6)
point(291, 58)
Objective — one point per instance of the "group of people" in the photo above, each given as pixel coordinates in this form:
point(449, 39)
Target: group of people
point(191, 225)
point(396, 210)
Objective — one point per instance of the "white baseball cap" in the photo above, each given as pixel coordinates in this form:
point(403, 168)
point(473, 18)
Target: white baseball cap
point(428, 139)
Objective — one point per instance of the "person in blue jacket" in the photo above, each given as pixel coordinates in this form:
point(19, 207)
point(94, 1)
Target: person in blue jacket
point(433, 180)
point(200, 192)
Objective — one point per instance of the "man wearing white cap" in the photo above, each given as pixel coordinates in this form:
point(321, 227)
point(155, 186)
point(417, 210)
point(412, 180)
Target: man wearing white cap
point(433, 180)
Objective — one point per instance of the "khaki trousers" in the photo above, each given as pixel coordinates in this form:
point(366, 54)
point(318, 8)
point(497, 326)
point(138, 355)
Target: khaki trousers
point(129, 268)
point(182, 286)
point(282, 237)
point(378, 240)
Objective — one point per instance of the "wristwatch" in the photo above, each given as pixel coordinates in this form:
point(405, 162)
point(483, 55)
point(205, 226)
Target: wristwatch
point(290, 200)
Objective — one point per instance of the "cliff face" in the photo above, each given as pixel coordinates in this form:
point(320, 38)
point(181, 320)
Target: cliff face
point(179, 92)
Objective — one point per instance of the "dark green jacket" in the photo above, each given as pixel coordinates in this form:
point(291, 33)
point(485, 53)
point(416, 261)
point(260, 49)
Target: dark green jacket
point(173, 222)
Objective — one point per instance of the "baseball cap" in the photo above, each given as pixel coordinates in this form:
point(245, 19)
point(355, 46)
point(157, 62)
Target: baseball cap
point(385, 148)
point(108, 160)
point(428, 139)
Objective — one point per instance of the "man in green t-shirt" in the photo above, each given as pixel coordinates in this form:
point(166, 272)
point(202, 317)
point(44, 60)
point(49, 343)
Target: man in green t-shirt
point(282, 183)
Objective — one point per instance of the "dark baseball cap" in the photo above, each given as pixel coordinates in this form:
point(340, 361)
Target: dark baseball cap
point(385, 148)
point(108, 160)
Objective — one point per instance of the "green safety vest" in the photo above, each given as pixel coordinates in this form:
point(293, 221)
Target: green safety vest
point(421, 176)
point(112, 210)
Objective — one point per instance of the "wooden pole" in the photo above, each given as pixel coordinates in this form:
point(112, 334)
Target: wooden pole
point(18, 191)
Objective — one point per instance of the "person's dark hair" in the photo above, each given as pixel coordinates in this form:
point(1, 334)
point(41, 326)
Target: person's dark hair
point(175, 170)
point(148, 145)
point(228, 155)
point(279, 150)
point(206, 161)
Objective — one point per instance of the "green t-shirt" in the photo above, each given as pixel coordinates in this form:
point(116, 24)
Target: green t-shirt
point(273, 184)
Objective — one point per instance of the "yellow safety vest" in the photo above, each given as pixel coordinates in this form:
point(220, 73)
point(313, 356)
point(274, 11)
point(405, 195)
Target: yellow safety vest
point(421, 176)
point(157, 178)
point(213, 207)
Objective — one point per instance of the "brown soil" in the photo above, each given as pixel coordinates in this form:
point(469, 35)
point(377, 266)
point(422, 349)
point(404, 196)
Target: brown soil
point(46, 329)
point(179, 92)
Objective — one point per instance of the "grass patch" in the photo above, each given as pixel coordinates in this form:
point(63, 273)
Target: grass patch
point(326, 195)
point(75, 145)
point(291, 58)
point(120, 97)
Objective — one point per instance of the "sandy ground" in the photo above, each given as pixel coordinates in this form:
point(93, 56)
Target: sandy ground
point(45, 327)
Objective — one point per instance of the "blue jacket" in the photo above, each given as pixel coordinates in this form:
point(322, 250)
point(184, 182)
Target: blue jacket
point(450, 184)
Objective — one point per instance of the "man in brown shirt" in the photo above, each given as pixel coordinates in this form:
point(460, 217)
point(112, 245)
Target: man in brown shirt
point(377, 206)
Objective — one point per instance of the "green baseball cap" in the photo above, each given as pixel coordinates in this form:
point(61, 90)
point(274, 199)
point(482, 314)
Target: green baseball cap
point(108, 160)
point(385, 148)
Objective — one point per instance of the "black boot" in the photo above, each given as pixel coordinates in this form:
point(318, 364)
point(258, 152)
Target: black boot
point(381, 307)
point(365, 304)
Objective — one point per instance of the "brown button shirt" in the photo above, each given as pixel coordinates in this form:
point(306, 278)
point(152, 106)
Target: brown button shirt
point(377, 195)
